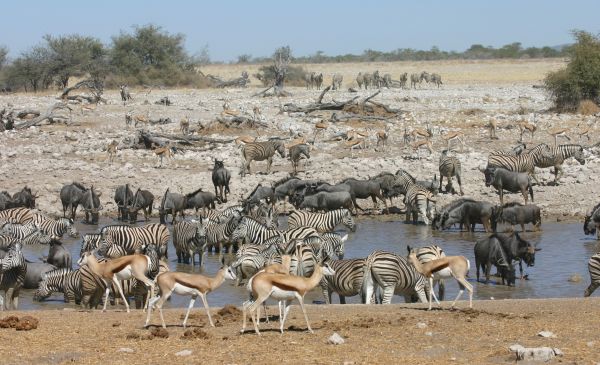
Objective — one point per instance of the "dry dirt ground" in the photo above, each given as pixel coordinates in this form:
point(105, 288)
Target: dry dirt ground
point(392, 334)
point(49, 156)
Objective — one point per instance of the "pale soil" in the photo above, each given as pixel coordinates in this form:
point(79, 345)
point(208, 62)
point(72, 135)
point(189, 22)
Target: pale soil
point(373, 335)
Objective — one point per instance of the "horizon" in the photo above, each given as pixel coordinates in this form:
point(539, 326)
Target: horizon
point(235, 27)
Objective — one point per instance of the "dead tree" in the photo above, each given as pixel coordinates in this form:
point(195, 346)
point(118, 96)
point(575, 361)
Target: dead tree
point(95, 87)
point(52, 115)
point(164, 101)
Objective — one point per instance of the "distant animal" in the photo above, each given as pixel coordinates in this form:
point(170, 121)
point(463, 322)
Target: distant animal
point(403, 80)
point(71, 196)
point(111, 150)
point(260, 151)
point(220, 179)
point(322, 222)
point(502, 179)
point(90, 202)
point(526, 127)
point(142, 199)
point(244, 139)
point(318, 81)
point(419, 201)
point(491, 125)
point(466, 212)
point(23, 198)
point(162, 152)
point(425, 76)
point(414, 80)
point(382, 137)
point(125, 95)
point(449, 166)
point(386, 81)
point(124, 200)
point(336, 81)
point(454, 136)
point(426, 143)
point(436, 79)
point(559, 132)
point(309, 79)
point(558, 155)
point(524, 162)
point(143, 119)
point(326, 201)
point(296, 153)
point(364, 189)
point(184, 126)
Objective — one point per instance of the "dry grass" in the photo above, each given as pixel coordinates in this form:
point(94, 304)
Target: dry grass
point(587, 107)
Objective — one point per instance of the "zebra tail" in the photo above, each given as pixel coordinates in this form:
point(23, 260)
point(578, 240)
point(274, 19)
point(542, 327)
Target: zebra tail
point(531, 192)
point(344, 237)
point(367, 281)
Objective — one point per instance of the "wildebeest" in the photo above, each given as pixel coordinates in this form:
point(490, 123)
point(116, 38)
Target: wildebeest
point(201, 199)
point(490, 252)
point(403, 80)
point(592, 222)
point(436, 79)
point(516, 248)
point(376, 79)
point(467, 212)
point(172, 203)
point(257, 195)
point(336, 81)
point(517, 213)
point(295, 154)
point(125, 95)
point(70, 196)
point(220, 179)
point(90, 202)
point(33, 276)
point(143, 199)
point(318, 80)
point(386, 80)
point(124, 200)
point(326, 201)
point(58, 255)
point(363, 80)
point(364, 189)
point(6, 201)
point(24, 198)
point(425, 76)
point(502, 179)
point(309, 79)
point(414, 80)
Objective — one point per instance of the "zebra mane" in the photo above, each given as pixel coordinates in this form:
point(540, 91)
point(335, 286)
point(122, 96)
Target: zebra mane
point(404, 172)
point(512, 204)
point(571, 145)
point(347, 179)
point(284, 180)
point(56, 273)
point(79, 185)
point(164, 199)
point(382, 174)
point(457, 203)
point(193, 193)
point(254, 191)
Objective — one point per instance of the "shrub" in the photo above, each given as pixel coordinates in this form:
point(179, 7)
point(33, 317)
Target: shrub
point(293, 77)
point(588, 107)
point(580, 80)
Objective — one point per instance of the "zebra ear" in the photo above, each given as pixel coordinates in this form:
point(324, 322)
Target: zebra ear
point(408, 248)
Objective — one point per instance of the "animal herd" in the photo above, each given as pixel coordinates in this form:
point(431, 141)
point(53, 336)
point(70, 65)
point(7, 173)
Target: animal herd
point(374, 80)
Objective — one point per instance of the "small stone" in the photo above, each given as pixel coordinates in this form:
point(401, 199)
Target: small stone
point(421, 325)
point(575, 278)
point(591, 344)
point(335, 339)
point(126, 350)
point(547, 334)
point(428, 333)
point(183, 353)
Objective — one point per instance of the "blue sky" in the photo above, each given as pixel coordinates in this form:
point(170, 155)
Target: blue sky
point(234, 27)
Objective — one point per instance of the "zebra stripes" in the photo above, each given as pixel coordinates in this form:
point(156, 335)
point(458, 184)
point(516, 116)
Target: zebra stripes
point(450, 166)
point(260, 151)
point(559, 154)
point(347, 280)
point(419, 201)
point(55, 228)
point(594, 270)
point(92, 241)
point(133, 239)
point(17, 215)
point(429, 253)
point(218, 234)
point(322, 222)
point(189, 239)
point(13, 267)
point(62, 280)
point(394, 275)
point(525, 162)
point(253, 231)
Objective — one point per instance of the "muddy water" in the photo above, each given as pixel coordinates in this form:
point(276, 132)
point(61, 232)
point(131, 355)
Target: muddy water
point(565, 252)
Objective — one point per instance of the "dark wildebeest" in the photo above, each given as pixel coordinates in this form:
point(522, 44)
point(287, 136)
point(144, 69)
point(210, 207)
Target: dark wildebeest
point(517, 213)
point(33, 276)
point(326, 187)
point(511, 181)
point(489, 252)
point(58, 255)
point(125, 95)
point(295, 154)
point(24, 198)
point(90, 202)
point(124, 200)
point(220, 179)
point(143, 199)
point(201, 199)
point(287, 187)
point(325, 201)
point(257, 195)
point(467, 212)
point(516, 248)
point(172, 203)
point(6, 201)
point(592, 222)
point(70, 196)
point(364, 189)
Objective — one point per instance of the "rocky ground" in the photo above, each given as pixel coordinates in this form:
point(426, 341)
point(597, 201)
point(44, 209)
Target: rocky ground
point(390, 334)
point(49, 156)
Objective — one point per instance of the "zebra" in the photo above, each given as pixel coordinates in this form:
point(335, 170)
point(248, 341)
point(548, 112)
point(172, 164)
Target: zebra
point(559, 155)
point(394, 275)
point(92, 241)
point(419, 200)
point(92, 288)
point(347, 280)
point(189, 239)
point(26, 234)
point(13, 267)
point(322, 222)
point(63, 280)
point(17, 215)
point(295, 155)
point(449, 166)
point(429, 253)
point(224, 215)
point(218, 234)
point(133, 239)
point(594, 269)
point(246, 266)
point(253, 231)
point(55, 228)
point(403, 79)
point(336, 81)
point(525, 162)
point(329, 246)
point(260, 151)
point(414, 80)
point(436, 79)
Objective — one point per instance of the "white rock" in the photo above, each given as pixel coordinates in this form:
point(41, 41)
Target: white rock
point(335, 339)
point(421, 325)
point(126, 350)
point(183, 353)
point(547, 334)
point(535, 353)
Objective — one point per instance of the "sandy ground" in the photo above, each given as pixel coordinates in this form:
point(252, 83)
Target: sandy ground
point(373, 335)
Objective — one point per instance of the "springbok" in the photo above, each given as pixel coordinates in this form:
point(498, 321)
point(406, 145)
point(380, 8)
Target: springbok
point(244, 139)
point(456, 267)
point(193, 285)
point(116, 270)
point(425, 143)
point(184, 125)
point(559, 132)
point(273, 268)
point(382, 137)
point(420, 132)
point(319, 128)
point(354, 144)
point(585, 132)
point(88, 108)
point(144, 119)
point(491, 125)
point(456, 135)
point(163, 152)
point(283, 287)
point(526, 127)
point(111, 150)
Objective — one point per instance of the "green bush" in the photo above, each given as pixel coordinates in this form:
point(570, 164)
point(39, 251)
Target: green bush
point(293, 77)
point(580, 80)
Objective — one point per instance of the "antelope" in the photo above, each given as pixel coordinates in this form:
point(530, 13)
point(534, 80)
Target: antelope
point(166, 151)
point(319, 128)
point(128, 119)
point(88, 108)
point(193, 285)
point(184, 125)
point(244, 139)
point(456, 267)
point(273, 268)
point(526, 127)
point(144, 119)
point(118, 269)
point(382, 138)
point(559, 132)
point(111, 150)
point(456, 135)
point(295, 142)
point(406, 137)
point(585, 132)
point(228, 111)
point(257, 114)
point(492, 127)
point(283, 287)
point(354, 144)
point(423, 143)
point(420, 132)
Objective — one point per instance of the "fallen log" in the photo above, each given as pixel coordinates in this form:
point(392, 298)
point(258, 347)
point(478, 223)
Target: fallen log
point(160, 139)
point(22, 114)
point(52, 115)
